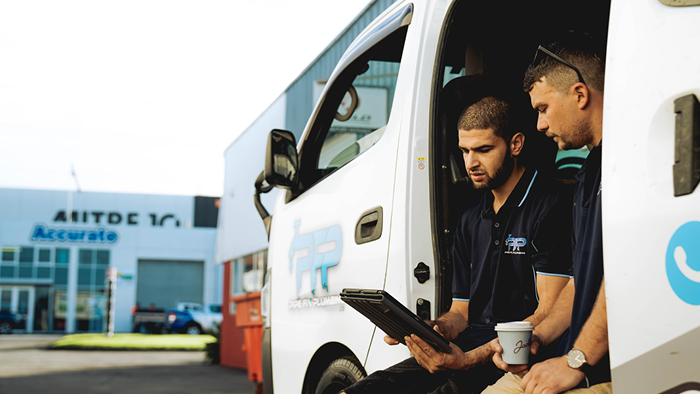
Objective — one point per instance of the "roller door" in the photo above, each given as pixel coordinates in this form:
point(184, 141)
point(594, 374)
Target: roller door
point(165, 283)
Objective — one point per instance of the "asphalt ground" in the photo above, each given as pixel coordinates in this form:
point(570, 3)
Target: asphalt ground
point(27, 367)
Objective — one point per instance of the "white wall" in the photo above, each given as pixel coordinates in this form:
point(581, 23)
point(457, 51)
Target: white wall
point(241, 231)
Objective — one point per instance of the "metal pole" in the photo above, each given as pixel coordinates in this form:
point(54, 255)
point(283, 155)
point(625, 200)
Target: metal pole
point(69, 208)
point(112, 298)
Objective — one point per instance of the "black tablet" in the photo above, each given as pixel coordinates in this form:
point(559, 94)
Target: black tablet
point(392, 317)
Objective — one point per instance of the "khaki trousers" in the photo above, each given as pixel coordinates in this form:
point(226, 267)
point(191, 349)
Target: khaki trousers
point(510, 384)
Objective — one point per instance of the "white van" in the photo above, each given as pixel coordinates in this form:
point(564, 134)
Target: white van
point(376, 183)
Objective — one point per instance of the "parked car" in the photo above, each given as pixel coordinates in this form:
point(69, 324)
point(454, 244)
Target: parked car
point(192, 318)
point(149, 321)
point(10, 321)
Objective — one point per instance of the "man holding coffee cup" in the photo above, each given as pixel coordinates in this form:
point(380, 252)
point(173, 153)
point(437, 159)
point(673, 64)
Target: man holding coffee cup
point(511, 258)
point(565, 82)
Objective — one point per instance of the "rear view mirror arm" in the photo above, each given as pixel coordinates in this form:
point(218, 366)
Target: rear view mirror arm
point(261, 186)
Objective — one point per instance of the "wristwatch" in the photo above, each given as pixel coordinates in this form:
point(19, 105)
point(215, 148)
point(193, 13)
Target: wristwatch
point(577, 360)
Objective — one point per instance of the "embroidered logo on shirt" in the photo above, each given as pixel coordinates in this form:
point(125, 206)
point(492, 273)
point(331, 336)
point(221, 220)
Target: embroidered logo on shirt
point(513, 244)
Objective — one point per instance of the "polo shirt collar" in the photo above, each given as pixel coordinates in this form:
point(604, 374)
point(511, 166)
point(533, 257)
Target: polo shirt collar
point(593, 161)
point(516, 198)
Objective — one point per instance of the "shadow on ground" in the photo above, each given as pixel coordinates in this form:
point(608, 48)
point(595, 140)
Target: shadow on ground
point(212, 379)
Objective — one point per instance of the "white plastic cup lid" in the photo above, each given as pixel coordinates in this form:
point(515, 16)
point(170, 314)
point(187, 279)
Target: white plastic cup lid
point(515, 326)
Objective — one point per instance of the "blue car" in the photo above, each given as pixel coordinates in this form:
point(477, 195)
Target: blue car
point(192, 318)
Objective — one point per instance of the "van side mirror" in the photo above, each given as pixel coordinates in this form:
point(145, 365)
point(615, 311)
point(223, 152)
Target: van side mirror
point(281, 162)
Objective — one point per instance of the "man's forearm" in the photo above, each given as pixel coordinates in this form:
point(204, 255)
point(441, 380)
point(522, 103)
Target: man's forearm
point(593, 339)
point(548, 288)
point(558, 318)
point(481, 355)
point(451, 324)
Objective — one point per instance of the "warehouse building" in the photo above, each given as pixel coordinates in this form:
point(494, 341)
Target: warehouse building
point(57, 247)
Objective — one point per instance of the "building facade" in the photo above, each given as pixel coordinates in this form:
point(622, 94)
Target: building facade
point(57, 247)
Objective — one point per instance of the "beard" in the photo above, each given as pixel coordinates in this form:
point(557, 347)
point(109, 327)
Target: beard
point(580, 134)
point(500, 177)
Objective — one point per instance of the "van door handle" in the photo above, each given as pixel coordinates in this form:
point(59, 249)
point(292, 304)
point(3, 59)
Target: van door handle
point(686, 167)
point(369, 227)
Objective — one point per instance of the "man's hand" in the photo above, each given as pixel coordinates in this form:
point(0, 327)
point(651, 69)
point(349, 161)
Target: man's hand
point(390, 341)
point(432, 323)
point(551, 377)
point(516, 369)
point(434, 360)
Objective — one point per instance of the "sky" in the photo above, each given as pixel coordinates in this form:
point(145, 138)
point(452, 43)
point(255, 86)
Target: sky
point(144, 96)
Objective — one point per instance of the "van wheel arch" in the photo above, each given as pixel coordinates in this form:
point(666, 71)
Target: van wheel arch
point(324, 357)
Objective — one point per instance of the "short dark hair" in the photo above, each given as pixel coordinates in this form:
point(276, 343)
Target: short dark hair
point(579, 49)
point(489, 113)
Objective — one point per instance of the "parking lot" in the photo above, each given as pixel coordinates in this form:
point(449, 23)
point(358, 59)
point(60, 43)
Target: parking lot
point(27, 366)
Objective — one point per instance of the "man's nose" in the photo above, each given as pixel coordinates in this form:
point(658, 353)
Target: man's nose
point(542, 124)
point(470, 161)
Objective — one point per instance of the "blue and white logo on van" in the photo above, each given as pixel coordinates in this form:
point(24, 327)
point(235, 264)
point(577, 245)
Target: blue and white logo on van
point(683, 263)
point(514, 244)
point(323, 249)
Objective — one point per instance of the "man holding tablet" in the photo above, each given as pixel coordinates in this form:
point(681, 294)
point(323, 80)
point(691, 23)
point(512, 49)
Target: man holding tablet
point(511, 258)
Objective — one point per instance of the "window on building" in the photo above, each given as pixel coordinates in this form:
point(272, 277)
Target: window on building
point(85, 256)
point(26, 255)
point(44, 255)
point(43, 272)
point(26, 261)
point(61, 270)
point(7, 270)
point(61, 276)
point(102, 257)
point(84, 276)
point(92, 299)
point(92, 266)
point(62, 256)
point(5, 300)
point(60, 308)
point(8, 253)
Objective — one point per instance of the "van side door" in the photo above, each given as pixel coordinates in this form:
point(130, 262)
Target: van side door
point(651, 203)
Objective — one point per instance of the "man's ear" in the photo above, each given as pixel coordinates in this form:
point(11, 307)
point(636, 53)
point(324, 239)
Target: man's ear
point(581, 93)
point(516, 144)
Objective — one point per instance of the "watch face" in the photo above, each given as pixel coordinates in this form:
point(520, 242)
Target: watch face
point(575, 358)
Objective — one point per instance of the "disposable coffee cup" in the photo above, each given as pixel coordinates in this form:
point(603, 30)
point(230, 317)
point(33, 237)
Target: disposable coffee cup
point(515, 338)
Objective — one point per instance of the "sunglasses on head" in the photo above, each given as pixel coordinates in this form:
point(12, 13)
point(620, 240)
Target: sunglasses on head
point(539, 58)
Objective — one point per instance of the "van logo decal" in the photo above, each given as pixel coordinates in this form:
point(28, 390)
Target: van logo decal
point(323, 249)
point(513, 244)
point(683, 263)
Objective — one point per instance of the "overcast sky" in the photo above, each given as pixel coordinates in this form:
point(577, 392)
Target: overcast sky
point(144, 96)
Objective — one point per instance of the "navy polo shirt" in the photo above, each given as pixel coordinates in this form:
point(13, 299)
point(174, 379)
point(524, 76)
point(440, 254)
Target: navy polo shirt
point(497, 256)
point(587, 243)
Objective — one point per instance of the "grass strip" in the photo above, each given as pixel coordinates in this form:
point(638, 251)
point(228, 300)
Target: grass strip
point(132, 342)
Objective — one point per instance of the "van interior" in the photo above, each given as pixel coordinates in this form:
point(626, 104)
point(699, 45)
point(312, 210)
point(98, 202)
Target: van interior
point(493, 41)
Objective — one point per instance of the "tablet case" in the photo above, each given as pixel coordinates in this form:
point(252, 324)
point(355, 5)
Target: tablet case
point(392, 317)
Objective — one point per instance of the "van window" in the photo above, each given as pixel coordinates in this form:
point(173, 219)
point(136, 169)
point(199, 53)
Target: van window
point(354, 112)
point(361, 116)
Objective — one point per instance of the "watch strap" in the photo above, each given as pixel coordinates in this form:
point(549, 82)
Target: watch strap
point(586, 369)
